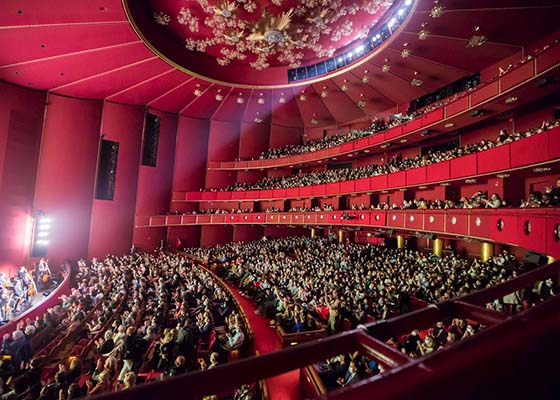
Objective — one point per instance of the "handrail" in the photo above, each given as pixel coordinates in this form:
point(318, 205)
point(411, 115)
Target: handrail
point(482, 94)
point(511, 339)
point(532, 228)
point(500, 159)
point(39, 309)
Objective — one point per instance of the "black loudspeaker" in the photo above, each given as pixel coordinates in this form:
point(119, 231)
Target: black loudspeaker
point(532, 257)
point(107, 170)
point(151, 139)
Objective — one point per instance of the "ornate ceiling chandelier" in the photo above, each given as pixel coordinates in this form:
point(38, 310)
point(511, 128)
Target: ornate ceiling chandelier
point(263, 33)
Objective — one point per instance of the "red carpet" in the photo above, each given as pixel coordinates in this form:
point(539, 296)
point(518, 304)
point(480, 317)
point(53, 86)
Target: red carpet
point(281, 387)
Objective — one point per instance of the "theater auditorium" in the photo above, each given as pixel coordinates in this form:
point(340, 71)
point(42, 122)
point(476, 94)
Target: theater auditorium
point(279, 199)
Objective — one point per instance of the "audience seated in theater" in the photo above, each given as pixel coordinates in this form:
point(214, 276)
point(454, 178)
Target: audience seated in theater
point(291, 277)
point(137, 313)
point(394, 164)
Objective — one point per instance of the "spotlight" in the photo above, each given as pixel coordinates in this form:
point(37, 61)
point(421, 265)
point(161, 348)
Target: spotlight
point(408, 2)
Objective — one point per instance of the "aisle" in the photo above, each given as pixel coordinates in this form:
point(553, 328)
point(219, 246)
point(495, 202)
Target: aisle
point(282, 387)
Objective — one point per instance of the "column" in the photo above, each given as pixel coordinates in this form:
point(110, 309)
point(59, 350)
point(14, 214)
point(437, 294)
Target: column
point(400, 242)
point(313, 233)
point(486, 251)
point(341, 236)
point(438, 247)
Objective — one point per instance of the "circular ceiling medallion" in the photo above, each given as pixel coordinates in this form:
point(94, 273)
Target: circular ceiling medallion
point(267, 43)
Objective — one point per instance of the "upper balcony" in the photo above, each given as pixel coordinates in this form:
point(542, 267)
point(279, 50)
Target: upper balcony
point(516, 83)
point(499, 160)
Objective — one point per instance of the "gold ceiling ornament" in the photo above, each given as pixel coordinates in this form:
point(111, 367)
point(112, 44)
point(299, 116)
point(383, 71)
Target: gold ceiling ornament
point(302, 96)
point(424, 33)
point(226, 9)
point(162, 18)
point(344, 86)
point(405, 51)
point(415, 82)
point(282, 99)
point(273, 37)
point(258, 118)
point(240, 99)
point(366, 78)
point(197, 92)
point(438, 10)
point(261, 99)
point(477, 40)
point(186, 18)
point(325, 92)
point(386, 67)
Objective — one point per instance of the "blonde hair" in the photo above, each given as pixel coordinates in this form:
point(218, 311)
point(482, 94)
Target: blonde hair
point(129, 379)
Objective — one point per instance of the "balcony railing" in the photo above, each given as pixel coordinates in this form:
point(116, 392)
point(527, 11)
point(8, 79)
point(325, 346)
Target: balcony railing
point(482, 94)
point(545, 148)
point(536, 229)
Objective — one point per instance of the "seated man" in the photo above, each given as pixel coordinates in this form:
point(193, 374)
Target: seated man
point(234, 339)
point(350, 377)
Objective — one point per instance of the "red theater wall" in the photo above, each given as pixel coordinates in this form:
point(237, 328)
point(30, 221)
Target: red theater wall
point(190, 154)
point(66, 175)
point(112, 221)
point(247, 233)
point(155, 183)
point(223, 145)
point(21, 123)
point(253, 139)
point(211, 235)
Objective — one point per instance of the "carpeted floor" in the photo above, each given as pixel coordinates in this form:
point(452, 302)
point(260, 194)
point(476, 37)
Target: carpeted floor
point(281, 387)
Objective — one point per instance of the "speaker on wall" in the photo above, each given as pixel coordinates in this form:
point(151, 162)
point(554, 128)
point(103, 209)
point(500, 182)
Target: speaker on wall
point(151, 139)
point(107, 170)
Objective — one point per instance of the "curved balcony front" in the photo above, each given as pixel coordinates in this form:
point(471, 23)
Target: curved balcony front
point(498, 160)
point(535, 229)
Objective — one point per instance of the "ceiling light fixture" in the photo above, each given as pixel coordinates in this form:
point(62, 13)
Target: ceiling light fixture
point(324, 92)
point(511, 99)
point(261, 99)
point(258, 119)
point(386, 67)
point(361, 103)
point(197, 92)
point(282, 99)
point(302, 96)
point(314, 120)
point(344, 86)
point(415, 82)
point(406, 51)
point(240, 99)
point(477, 40)
point(219, 96)
point(541, 169)
point(366, 78)
point(438, 10)
point(424, 33)
point(449, 125)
